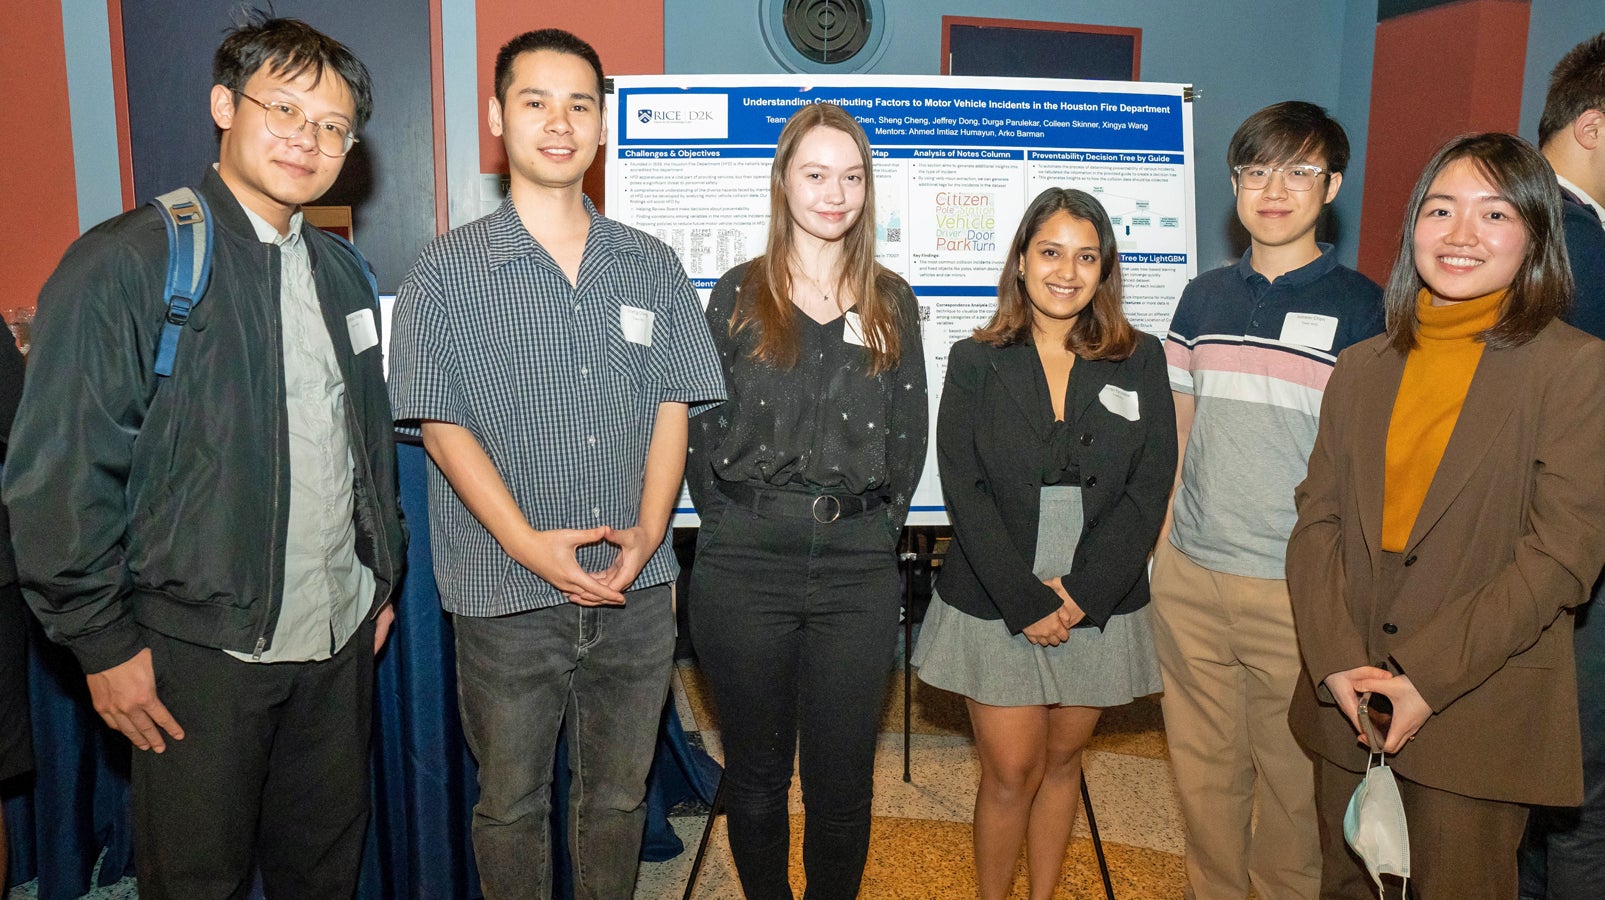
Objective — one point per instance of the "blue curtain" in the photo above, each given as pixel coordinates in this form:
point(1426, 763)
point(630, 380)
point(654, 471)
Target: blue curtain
point(424, 784)
point(77, 802)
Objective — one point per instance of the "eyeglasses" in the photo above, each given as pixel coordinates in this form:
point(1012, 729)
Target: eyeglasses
point(285, 120)
point(1297, 178)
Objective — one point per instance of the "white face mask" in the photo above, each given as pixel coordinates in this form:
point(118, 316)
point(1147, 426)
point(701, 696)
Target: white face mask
point(1374, 824)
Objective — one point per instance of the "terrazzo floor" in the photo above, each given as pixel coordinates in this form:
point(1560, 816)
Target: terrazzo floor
point(920, 837)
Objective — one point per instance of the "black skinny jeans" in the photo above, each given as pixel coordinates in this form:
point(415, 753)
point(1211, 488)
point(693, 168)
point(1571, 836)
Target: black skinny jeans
point(795, 623)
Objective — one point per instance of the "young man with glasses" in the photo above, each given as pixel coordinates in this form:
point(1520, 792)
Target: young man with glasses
point(1250, 349)
point(219, 546)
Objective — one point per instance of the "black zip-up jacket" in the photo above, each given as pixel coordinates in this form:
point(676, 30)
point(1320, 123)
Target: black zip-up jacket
point(164, 503)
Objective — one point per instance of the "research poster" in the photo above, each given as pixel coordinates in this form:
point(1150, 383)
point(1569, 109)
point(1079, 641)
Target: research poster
point(956, 162)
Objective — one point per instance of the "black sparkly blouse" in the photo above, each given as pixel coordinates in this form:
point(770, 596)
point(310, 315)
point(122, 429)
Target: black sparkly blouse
point(825, 424)
point(1059, 463)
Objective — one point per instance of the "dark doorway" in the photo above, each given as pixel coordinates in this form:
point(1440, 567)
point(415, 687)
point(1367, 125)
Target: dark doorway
point(1011, 47)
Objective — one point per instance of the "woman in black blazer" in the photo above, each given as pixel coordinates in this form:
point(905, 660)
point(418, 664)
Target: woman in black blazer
point(1056, 441)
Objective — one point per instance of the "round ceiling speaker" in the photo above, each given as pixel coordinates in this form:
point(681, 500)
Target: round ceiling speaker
point(828, 31)
point(825, 36)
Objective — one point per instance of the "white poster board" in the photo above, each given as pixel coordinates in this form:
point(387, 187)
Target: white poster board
point(957, 160)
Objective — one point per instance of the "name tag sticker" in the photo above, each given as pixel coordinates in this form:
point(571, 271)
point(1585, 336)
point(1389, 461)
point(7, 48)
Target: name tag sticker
point(1309, 330)
point(853, 329)
point(1120, 401)
point(364, 331)
point(636, 323)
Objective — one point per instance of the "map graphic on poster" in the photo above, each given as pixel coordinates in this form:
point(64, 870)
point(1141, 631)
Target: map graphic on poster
point(957, 160)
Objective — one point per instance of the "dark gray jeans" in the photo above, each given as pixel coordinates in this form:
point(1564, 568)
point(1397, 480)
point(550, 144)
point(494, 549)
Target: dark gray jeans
point(606, 671)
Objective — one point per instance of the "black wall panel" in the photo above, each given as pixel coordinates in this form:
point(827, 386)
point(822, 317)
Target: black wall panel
point(389, 178)
point(1040, 53)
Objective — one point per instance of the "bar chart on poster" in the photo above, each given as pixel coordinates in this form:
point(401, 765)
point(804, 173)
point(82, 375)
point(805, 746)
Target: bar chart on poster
point(957, 160)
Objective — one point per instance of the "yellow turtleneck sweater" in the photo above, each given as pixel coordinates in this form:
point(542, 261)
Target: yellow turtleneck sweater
point(1437, 374)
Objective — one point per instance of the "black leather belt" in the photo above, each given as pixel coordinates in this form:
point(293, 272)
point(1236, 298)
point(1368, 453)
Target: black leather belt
point(822, 508)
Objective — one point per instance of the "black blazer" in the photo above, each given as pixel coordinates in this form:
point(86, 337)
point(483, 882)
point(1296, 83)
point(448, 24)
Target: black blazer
point(1585, 247)
point(992, 438)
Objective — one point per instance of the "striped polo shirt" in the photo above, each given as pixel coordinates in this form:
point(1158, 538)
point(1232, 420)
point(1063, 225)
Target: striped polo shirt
point(1255, 355)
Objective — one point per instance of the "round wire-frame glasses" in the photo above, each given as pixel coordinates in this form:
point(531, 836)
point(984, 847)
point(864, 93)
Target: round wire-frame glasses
point(285, 120)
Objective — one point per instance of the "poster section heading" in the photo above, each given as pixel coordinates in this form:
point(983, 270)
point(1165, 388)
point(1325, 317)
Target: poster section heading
point(766, 153)
point(896, 117)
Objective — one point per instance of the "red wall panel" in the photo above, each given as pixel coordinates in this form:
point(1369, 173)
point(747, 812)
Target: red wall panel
point(36, 165)
point(627, 34)
point(1437, 73)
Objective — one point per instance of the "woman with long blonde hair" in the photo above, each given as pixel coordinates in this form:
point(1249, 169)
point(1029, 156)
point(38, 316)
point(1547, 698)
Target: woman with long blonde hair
point(803, 480)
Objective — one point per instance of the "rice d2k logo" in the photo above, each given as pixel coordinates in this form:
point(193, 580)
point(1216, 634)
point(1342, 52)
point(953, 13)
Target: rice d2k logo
point(677, 116)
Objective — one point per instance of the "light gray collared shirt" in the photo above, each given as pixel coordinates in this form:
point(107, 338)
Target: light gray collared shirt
point(327, 590)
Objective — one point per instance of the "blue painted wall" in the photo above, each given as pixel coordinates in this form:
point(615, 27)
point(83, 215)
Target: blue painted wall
point(1555, 27)
point(92, 111)
point(1240, 55)
point(1353, 108)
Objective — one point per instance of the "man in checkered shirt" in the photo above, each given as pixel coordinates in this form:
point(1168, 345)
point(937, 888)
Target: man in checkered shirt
point(549, 356)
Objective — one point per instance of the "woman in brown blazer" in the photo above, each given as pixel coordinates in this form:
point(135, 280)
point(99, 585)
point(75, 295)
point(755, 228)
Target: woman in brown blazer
point(1452, 517)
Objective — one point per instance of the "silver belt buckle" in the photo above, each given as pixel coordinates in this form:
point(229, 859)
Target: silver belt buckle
point(835, 510)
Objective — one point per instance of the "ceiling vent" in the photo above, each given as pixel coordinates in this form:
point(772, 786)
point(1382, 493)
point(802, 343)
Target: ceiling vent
point(827, 31)
point(824, 35)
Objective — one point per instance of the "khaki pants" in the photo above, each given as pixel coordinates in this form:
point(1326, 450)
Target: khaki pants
point(1230, 660)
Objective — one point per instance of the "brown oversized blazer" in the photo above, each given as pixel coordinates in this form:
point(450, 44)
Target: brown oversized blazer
point(1510, 537)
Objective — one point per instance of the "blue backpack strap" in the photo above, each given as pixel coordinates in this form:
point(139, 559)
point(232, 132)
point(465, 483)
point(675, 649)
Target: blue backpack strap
point(189, 266)
point(362, 263)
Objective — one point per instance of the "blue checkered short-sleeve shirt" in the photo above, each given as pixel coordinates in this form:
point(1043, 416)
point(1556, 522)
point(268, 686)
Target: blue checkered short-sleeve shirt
point(489, 334)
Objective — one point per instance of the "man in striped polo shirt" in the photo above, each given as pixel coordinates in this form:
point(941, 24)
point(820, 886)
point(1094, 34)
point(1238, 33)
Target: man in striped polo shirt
point(1250, 349)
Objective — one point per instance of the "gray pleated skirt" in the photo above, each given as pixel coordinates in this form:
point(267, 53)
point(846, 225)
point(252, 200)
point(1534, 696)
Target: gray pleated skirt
point(980, 659)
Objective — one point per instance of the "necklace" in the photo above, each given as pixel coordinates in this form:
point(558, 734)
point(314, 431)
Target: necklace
point(815, 282)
